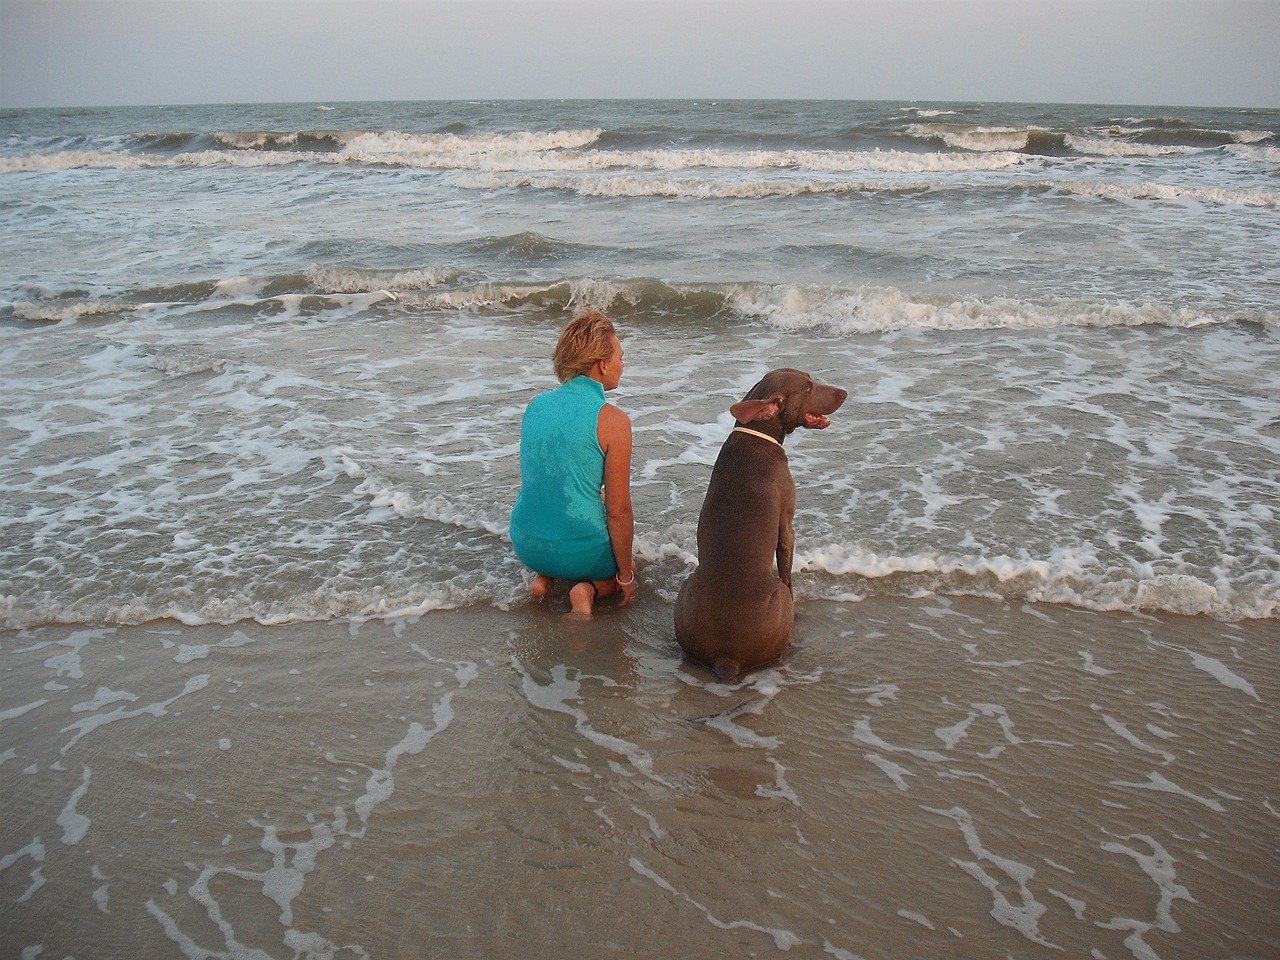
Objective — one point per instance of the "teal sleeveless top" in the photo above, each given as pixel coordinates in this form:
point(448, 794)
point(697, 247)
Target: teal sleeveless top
point(558, 524)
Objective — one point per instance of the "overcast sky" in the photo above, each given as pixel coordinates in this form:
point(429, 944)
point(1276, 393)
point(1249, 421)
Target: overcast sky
point(1171, 52)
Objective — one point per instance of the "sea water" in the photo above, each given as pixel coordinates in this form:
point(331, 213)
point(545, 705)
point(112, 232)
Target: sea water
point(268, 362)
point(272, 682)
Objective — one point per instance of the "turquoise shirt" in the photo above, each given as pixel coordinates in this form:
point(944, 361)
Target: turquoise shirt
point(558, 523)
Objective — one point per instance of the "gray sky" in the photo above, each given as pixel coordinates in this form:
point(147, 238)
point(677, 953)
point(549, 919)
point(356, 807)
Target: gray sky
point(1171, 52)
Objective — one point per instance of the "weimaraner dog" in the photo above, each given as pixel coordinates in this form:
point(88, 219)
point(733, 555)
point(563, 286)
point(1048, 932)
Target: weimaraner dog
point(734, 613)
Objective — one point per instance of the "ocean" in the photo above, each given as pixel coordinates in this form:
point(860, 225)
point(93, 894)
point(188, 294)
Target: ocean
point(263, 369)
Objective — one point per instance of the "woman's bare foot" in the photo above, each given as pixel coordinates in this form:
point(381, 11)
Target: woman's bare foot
point(541, 586)
point(583, 599)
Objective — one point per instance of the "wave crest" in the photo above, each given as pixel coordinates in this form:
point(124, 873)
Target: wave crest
point(1129, 139)
point(1062, 579)
point(887, 309)
point(335, 289)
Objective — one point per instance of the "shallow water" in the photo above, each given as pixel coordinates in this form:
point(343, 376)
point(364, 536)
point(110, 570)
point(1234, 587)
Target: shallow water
point(306, 470)
point(265, 362)
point(918, 779)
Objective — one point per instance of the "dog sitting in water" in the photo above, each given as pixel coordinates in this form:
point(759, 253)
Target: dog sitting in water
point(734, 612)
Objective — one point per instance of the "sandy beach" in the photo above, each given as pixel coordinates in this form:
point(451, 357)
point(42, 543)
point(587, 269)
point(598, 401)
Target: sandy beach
point(920, 778)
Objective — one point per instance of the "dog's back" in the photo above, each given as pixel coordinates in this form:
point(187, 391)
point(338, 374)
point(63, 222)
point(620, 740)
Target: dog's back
point(735, 612)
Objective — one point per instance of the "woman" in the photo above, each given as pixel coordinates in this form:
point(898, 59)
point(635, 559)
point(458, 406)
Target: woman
point(572, 444)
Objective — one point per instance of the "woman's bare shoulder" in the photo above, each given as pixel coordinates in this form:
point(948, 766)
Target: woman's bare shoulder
point(613, 426)
point(613, 414)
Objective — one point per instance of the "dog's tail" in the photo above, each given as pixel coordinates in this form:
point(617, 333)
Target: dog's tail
point(727, 669)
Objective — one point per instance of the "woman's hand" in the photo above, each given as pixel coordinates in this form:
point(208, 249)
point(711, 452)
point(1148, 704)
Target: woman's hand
point(627, 587)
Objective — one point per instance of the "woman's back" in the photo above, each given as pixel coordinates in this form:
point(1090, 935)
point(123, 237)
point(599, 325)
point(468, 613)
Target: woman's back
point(561, 464)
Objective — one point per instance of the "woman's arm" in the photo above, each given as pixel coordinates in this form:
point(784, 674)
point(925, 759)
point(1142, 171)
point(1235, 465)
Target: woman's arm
point(613, 429)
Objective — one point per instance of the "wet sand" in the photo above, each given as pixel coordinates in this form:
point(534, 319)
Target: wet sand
point(920, 778)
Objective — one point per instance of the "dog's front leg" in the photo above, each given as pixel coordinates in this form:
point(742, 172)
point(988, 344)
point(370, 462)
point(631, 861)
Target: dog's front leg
point(786, 550)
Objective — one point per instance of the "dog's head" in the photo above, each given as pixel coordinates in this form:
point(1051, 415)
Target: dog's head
point(789, 398)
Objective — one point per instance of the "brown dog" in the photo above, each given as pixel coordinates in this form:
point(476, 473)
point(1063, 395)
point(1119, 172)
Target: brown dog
point(734, 613)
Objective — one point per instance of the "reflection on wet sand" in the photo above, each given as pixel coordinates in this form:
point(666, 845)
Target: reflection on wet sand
point(917, 779)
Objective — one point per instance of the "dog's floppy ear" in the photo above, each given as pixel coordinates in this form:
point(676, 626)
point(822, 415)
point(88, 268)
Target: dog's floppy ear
point(745, 411)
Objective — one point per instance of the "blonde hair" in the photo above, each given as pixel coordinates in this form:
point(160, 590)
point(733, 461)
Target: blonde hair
point(586, 340)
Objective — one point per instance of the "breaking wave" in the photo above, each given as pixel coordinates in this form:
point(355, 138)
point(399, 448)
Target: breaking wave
point(333, 290)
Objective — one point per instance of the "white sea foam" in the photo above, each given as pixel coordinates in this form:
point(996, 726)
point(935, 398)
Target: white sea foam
point(1122, 730)
point(58, 310)
point(1159, 783)
point(782, 939)
point(1254, 153)
point(781, 789)
point(86, 726)
point(462, 150)
point(348, 280)
point(1064, 578)
point(1024, 915)
point(977, 138)
point(1218, 670)
point(556, 696)
point(1107, 147)
point(381, 782)
point(894, 771)
point(823, 161)
point(1179, 193)
point(696, 188)
point(75, 824)
point(101, 895)
point(886, 309)
point(69, 664)
point(1158, 865)
point(928, 112)
point(190, 652)
point(863, 733)
point(560, 151)
point(293, 860)
point(726, 723)
point(14, 712)
point(34, 850)
point(439, 508)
